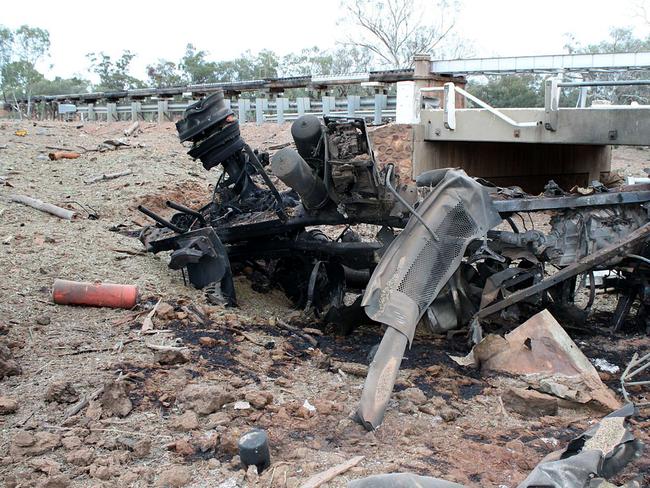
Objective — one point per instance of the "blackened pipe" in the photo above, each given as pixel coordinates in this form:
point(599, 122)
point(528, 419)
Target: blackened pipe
point(160, 220)
point(185, 210)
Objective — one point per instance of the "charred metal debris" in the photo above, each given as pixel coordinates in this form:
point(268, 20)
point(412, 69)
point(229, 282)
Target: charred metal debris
point(451, 251)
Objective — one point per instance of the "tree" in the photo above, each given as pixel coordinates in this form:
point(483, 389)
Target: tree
point(621, 40)
point(510, 91)
point(61, 86)
point(113, 75)
point(20, 50)
point(164, 73)
point(196, 68)
point(395, 30)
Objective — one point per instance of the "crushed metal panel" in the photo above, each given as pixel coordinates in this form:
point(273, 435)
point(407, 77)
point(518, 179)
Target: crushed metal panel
point(416, 266)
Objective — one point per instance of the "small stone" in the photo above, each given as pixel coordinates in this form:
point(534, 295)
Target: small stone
point(24, 439)
point(217, 419)
point(184, 447)
point(61, 392)
point(103, 472)
point(205, 399)
point(58, 481)
point(407, 406)
point(259, 399)
point(449, 414)
point(242, 405)
point(8, 365)
point(181, 315)
point(7, 405)
point(81, 457)
point(208, 341)
point(142, 448)
point(165, 311)
point(43, 320)
point(414, 395)
point(174, 477)
point(169, 358)
point(45, 465)
point(71, 442)
point(115, 399)
point(251, 475)
point(186, 422)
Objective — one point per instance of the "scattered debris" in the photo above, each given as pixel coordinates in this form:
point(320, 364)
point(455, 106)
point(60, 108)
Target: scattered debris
point(66, 292)
point(254, 450)
point(108, 176)
point(328, 475)
point(61, 392)
point(20, 133)
point(62, 213)
point(131, 130)
point(604, 365)
point(543, 355)
point(8, 365)
point(636, 366)
point(55, 156)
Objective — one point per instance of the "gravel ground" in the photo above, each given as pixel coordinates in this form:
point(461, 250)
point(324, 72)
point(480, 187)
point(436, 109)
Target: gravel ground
point(177, 424)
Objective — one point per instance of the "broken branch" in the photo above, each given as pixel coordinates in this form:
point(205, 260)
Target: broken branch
point(107, 176)
point(328, 475)
point(62, 213)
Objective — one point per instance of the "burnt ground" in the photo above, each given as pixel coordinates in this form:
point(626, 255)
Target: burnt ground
point(460, 431)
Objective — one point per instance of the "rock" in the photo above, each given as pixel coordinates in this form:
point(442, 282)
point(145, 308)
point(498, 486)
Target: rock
point(217, 419)
point(186, 422)
point(26, 444)
point(43, 320)
point(208, 341)
point(140, 448)
point(449, 414)
point(169, 358)
point(81, 457)
point(407, 406)
point(165, 311)
point(259, 399)
point(71, 442)
point(58, 481)
point(174, 477)
point(184, 447)
point(8, 365)
point(7, 405)
point(251, 476)
point(530, 403)
point(103, 472)
point(414, 395)
point(61, 392)
point(115, 399)
point(46, 465)
point(205, 399)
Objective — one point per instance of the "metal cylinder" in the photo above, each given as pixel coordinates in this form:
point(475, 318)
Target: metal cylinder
point(306, 132)
point(296, 173)
point(111, 295)
point(254, 450)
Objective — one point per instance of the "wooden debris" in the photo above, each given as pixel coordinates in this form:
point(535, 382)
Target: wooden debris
point(295, 330)
point(328, 475)
point(130, 130)
point(83, 403)
point(62, 213)
point(147, 324)
point(55, 156)
point(107, 176)
point(156, 347)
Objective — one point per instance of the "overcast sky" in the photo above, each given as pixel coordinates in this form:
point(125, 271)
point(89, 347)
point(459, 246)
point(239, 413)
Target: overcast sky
point(161, 29)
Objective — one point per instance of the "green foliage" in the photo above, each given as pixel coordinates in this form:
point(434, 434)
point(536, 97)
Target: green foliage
point(60, 86)
point(164, 73)
point(510, 91)
point(621, 40)
point(113, 75)
point(195, 67)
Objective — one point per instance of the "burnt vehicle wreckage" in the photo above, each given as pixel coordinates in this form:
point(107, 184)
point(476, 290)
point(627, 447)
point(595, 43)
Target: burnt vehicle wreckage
point(461, 258)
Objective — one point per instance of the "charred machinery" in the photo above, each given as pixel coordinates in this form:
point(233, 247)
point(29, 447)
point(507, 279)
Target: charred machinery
point(449, 252)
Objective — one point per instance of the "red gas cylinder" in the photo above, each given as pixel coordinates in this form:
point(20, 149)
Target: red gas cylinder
point(111, 295)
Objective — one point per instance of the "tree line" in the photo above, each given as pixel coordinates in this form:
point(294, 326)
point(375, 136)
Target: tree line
point(372, 34)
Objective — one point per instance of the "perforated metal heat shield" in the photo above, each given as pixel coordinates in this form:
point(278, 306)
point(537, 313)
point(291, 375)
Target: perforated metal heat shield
point(415, 267)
